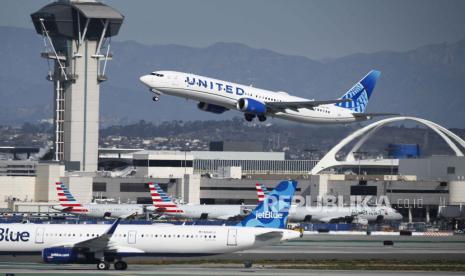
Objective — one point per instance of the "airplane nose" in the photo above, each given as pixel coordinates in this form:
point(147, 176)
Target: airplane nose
point(145, 80)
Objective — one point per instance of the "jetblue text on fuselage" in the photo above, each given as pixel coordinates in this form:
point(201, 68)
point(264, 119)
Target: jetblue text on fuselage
point(215, 86)
point(11, 236)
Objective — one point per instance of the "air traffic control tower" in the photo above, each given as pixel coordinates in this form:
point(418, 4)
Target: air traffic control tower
point(77, 36)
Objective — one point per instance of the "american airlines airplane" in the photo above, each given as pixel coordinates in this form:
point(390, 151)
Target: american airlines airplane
point(104, 244)
point(162, 203)
point(218, 96)
point(359, 214)
point(68, 204)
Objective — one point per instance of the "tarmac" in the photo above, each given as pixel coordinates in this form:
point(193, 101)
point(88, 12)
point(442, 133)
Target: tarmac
point(29, 269)
point(309, 248)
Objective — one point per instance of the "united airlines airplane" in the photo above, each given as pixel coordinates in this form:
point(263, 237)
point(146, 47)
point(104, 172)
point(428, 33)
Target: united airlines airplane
point(68, 204)
point(356, 214)
point(218, 96)
point(162, 203)
point(103, 244)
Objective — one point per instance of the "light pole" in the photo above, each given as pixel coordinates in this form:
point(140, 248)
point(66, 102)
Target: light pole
point(359, 154)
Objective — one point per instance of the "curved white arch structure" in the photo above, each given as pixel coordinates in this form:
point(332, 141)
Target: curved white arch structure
point(329, 160)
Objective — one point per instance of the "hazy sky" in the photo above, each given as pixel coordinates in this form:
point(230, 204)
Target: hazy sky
point(316, 29)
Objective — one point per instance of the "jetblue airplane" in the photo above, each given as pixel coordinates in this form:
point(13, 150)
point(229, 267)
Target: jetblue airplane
point(351, 214)
point(103, 244)
point(218, 96)
point(68, 204)
point(163, 204)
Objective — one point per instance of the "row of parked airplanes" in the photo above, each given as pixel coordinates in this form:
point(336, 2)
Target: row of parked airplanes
point(163, 205)
point(103, 244)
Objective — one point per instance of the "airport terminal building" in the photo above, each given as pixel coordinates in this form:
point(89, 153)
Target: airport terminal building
point(419, 189)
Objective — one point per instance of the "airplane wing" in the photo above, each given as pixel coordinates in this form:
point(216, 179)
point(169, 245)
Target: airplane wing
point(365, 116)
point(269, 236)
point(127, 216)
point(98, 243)
point(280, 106)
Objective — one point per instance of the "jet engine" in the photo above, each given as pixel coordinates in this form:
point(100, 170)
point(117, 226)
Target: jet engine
point(60, 255)
point(211, 108)
point(252, 106)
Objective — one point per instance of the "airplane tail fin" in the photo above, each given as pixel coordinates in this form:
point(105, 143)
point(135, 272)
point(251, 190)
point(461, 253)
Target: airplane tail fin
point(262, 191)
point(66, 199)
point(162, 201)
point(360, 93)
point(274, 210)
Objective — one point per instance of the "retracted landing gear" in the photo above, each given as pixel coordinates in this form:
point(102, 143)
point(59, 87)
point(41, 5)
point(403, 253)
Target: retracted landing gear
point(103, 266)
point(121, 265)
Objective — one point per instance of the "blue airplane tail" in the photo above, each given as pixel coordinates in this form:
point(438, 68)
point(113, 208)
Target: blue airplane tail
point(274, 210)
point(360, 93)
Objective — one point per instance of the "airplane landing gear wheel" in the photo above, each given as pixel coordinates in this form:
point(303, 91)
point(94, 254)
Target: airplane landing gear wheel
point(120, 265)
point(248, 264)
point(103, 266)
point(155, 98)
point(249, 117)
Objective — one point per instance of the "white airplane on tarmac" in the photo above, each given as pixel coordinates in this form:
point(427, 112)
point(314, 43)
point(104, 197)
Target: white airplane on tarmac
point(104, 244)
point(356, 214)
point(68, 204)
point(163, 204)
point(218, 96)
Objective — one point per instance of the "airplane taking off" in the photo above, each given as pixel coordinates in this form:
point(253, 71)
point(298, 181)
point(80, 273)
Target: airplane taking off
point(103, 244)
point(163, 204)
point(218, 96)
point(68, 204)
point(355, 214)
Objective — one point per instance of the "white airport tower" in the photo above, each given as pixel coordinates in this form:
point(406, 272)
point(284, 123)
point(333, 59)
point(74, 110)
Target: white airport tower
point(77, 37)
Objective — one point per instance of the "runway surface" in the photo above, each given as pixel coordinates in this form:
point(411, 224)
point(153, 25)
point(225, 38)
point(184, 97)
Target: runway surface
point(308, 249)
point(323, 247)
point(29, 269)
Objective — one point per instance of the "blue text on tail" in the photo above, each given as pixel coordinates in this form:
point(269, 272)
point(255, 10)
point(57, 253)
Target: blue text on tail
point(274, 210)
point(360, 93)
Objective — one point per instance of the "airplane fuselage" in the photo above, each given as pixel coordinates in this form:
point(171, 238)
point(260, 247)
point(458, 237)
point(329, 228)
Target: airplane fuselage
point(210, 211)
point(133, 240)
point(227, 94)
point(329, 213)
point(105, 210)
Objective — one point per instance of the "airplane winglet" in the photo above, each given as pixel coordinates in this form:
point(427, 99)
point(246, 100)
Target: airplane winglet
point(112, 229)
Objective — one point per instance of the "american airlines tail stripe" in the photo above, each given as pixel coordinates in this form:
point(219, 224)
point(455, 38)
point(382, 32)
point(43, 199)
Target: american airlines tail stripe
point(66, 199)
point(71, 205)
point(166, 206)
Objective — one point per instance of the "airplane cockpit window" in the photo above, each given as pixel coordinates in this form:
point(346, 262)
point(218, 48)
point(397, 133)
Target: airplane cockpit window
point(156, 74)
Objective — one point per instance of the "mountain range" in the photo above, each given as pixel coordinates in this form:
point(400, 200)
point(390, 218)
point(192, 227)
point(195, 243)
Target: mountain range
point(427, 82)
